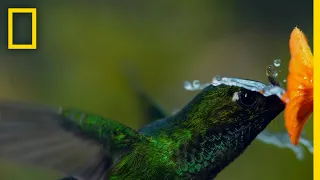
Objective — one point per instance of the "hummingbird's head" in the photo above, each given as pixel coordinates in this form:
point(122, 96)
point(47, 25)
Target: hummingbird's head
point(234, 103)
point(224, 118)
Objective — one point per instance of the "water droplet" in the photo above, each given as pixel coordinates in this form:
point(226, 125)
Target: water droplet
point(196, 84)
point(271, 71)
point(284, 81)
point(218, 78)
point(277, 62)
point(187, 85)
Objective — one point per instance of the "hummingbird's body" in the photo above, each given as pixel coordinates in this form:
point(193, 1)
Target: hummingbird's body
point(196, 143)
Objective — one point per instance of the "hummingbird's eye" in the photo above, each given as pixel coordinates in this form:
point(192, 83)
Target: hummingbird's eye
point(248, 98)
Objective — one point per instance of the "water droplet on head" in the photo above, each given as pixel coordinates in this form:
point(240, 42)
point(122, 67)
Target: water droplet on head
point(271, 71)
point(187, 85)
point(275, 74)
point(196, 84)
point(218, 78)
point(277, 62)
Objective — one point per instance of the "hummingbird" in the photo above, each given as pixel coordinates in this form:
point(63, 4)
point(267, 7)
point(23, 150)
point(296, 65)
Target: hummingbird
point(197, 142)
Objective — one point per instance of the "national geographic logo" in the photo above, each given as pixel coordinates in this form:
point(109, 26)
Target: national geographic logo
point(33, 12)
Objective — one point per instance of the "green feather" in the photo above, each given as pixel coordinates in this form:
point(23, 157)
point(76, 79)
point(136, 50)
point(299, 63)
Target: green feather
point(196, 143)
point(203, 138)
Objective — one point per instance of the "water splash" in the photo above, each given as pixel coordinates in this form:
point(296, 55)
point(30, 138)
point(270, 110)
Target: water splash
point(273, 71)
point(250, 85)
point(195, 85)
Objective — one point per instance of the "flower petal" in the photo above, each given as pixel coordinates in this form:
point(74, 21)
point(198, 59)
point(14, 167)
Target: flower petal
point(299, 85)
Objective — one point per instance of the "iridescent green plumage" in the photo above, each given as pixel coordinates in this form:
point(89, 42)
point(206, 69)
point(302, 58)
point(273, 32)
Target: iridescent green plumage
point(196, 143)
point(210, 132)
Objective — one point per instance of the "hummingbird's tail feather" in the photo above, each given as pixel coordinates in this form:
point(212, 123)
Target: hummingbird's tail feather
point(34, 135)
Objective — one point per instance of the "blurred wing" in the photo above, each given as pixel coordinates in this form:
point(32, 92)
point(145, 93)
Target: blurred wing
point(150, 109)
point(154, 115)
point(36, 136)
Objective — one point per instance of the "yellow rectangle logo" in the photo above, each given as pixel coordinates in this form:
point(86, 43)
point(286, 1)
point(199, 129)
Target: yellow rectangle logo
point(33, 12)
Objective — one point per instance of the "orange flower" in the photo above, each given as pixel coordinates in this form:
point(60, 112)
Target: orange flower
point(299, 85)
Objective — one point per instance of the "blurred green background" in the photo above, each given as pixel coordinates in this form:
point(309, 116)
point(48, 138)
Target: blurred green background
point(87, 50)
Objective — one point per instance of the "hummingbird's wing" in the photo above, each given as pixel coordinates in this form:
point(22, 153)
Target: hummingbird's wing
point(35, 136)
point(154, 114)
point(150, 108)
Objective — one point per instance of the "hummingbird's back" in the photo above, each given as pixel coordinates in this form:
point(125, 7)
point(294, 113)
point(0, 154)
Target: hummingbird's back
point(150, 159)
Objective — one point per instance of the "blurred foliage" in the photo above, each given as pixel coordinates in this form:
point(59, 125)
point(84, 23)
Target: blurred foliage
point(89, 53)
